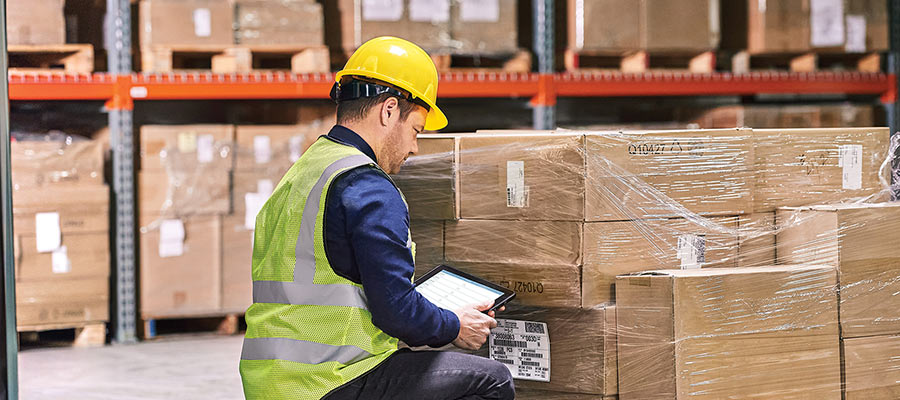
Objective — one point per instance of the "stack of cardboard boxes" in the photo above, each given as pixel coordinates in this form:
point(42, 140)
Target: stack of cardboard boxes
point(557, 217)
point(61, 228)
point(36, 22)
point(200, 187)
point(782, 116)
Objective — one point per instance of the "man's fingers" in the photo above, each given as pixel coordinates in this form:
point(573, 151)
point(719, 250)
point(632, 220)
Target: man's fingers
point(486, 305)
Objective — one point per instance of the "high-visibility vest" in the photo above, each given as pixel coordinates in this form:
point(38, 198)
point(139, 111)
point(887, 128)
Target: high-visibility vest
point(309, 330)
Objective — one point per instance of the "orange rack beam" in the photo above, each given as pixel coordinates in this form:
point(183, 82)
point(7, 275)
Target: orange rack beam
point(61, 87)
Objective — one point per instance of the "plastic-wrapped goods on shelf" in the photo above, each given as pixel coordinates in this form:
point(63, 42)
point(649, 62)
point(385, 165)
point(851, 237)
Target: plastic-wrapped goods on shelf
point(428, 179)
point(784, 116)
point(278, 22)
point(770, 332)
point(870, 367)
point(623, 25)
point(55, 159)
point(39, 22)
point(429, 241)
point(819, 166)
point(61, 231)
point(444, 26)
point(186, 23)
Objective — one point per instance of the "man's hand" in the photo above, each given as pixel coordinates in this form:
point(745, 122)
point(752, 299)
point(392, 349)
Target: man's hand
point(474, 325)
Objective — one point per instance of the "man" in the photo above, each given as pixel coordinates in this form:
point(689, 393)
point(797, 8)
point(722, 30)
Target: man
point(333, 258)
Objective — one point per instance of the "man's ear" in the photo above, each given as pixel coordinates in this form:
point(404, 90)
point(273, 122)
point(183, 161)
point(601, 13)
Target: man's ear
point(389, 108)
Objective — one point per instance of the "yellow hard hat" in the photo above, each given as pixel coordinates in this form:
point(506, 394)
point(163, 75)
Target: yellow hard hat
point(402, 64)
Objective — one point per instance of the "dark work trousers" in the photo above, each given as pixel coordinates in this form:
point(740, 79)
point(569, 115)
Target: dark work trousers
point(431, 375)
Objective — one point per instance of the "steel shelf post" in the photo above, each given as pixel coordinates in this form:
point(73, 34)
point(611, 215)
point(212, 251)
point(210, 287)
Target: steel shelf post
point(545, 103)
point(10, 384)
point(121, 133)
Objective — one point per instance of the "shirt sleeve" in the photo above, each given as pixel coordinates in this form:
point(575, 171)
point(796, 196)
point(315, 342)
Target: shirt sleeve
point(377, 223)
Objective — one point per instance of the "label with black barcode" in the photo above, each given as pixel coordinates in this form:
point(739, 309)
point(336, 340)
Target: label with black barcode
point(524, 347)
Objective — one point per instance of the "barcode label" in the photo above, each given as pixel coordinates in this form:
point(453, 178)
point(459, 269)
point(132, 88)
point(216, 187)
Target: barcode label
point(510, 343)
point(524, 347)
point(531, 327)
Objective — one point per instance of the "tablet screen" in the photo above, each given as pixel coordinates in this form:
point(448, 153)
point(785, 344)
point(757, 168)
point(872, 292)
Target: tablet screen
point(450, 291)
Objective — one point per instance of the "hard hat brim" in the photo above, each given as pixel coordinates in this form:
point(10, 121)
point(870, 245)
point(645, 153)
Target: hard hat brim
point(435, 120)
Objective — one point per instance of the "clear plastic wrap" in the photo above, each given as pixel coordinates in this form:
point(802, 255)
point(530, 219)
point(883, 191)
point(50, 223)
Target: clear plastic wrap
point(742, 263)
point(278, 22)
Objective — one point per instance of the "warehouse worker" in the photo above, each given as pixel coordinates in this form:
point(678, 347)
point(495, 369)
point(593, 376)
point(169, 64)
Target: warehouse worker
point(333, 258)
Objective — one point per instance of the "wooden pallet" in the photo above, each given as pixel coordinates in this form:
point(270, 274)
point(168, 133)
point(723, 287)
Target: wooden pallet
point(62, 58)
point(90, 334)
point(518, 62)
point(640, 61)
point(223, 324)
point(237, 59)
point(744, 62)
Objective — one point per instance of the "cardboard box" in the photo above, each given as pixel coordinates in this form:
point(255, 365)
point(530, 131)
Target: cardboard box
point(531, 394)
point(758, 117)
point(39, 164)
point(429, 239)
point(271, 148)
point(84, 255)
point(237, 262)
point(876, 16)
point(184, 193)
point(653, 174)
point(186, 23)
point(513, 242)
point(185, 284)
point(582, 348)
point(659, 25)
point(61, 303)
point(871, 368)
point(522, 176)
point(768, 332)
point(616, 248)
point(761, 26)
point(349, 24)
point(484, 27)
point(797, 167)
point(428, 179)
point(197, 148)
point(81, 209)
point(35, 22)
point(535, 285)
point(854, 239)
point(288, 22)
point(757, 240)
point(251, 182)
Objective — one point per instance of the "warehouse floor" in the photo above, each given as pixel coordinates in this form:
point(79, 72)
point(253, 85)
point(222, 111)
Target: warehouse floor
point(184, 367)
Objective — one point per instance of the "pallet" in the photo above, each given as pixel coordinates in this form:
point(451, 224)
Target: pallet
point(744, 62)
point(237, 59)
point(61, 58)
point(518, 62)
point(640, 61)
point(90, 334)
point(222, 324)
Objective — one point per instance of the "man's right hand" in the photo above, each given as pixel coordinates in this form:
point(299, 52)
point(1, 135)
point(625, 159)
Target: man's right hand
point(474, 326)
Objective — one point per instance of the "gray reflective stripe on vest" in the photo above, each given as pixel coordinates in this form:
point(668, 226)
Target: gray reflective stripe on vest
point(299, 351)
point(302, 291)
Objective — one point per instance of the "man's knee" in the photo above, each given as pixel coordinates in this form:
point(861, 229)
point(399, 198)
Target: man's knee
point(502, 378)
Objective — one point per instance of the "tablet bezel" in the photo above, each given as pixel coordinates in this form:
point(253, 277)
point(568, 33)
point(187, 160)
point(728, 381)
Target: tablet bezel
point(500, 301)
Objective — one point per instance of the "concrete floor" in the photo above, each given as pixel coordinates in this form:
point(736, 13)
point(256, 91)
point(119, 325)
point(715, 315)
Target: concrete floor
point(183, 367)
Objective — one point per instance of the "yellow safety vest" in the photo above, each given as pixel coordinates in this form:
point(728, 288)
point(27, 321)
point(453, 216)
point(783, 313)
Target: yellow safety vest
point(309, 330)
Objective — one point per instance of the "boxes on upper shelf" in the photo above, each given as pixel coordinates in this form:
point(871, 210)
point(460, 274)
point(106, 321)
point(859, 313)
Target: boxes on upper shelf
point(186, 23)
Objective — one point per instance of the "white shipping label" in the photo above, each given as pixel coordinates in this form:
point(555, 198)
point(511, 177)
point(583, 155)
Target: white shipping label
point(202, 22)
point(826, 23)
point(187, 142)
point(262, 149)
point(524, 347)
point(295, 146)
point(60, 261)
point(429, 10)
point(691, 250)
point(205, 148)
point(171, 238)
point(516, 191)
point(253, 202)
point(479, 10)
point(850, 162)
point(856, 34)
point(265, 187)
point(47, 231)
point(382, 10)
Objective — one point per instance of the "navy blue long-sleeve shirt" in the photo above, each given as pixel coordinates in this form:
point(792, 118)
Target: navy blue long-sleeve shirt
point(366, 225)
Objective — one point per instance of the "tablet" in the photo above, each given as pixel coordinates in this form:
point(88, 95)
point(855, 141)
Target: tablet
point(451, 289)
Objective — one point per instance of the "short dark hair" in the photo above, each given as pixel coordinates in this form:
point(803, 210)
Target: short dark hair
point(357, 109)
